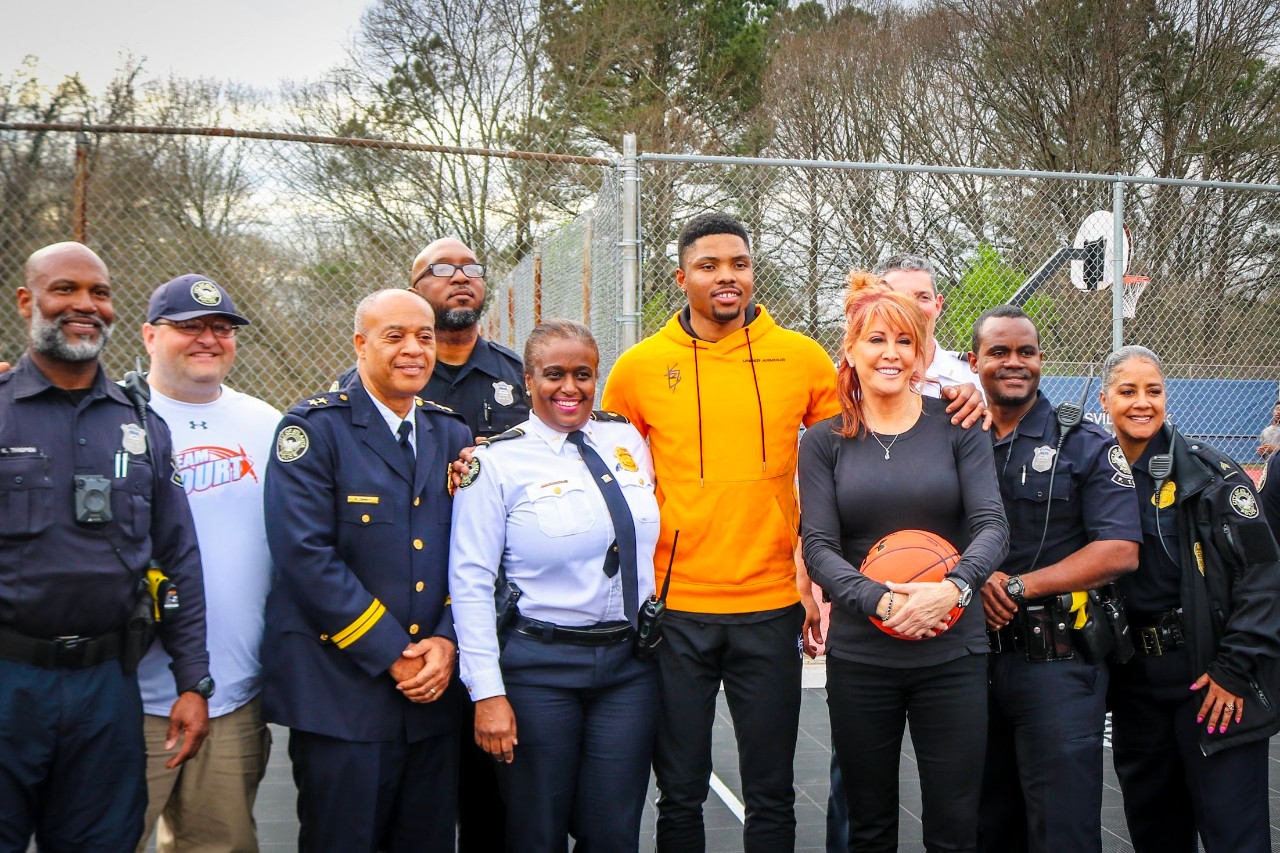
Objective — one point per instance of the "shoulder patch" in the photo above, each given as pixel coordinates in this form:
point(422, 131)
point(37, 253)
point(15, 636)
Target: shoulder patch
point(1243, 502)
point(292, 444)
point(1123, 476)
point(514, 432)
point(1262, 481)
point(609, 417)
point(473, 473)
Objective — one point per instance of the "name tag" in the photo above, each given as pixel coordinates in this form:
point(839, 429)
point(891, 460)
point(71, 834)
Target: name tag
point(362, 499)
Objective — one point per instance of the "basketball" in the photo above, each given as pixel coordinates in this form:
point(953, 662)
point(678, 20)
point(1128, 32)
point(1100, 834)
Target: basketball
point(908, 556)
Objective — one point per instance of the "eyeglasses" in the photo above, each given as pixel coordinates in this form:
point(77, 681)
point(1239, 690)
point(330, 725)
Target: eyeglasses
point(195, 328)
point(447, 270)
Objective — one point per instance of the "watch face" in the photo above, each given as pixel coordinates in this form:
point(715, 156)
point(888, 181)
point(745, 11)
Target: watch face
point(1015, 588)
point(205, 687)
point(966, 597)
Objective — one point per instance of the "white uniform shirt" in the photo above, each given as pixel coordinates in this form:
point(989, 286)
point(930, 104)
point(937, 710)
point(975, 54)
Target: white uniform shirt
point(535, 510)
point(221, 450)
point(946, 370)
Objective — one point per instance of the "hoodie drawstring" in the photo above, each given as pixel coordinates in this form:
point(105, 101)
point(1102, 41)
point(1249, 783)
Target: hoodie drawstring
point(697, 395)
point(759, 402)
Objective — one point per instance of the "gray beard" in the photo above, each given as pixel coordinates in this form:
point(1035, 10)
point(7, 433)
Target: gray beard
point(457, 319)
point(47, 338)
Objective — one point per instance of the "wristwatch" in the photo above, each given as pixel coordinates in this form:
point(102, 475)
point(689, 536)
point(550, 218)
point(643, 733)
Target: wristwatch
point(966, 592)
point(204, 687)
point(1016, 589)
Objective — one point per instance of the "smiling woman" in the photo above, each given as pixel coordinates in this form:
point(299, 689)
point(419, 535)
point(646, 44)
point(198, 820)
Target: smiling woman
point(565, 504)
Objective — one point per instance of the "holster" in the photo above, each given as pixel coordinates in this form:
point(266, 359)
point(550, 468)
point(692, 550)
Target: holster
point(506, 596)
point(139, 632)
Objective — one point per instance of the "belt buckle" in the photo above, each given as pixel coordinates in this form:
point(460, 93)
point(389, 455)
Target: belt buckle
point(1151, 641)
point(69, 651)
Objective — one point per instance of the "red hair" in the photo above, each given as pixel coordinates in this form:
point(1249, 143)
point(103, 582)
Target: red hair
point(863, 306)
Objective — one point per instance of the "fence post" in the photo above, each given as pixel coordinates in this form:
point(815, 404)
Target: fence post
point(80, 204)
point(1117, 264)
point(588, 232)
point(537, 284)
point(630, 318)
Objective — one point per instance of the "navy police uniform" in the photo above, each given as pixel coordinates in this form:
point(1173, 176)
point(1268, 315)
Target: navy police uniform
point(488, 390)
point(1269, 493)
point(71, 749)
point(585, 707)
point(361, 544)
point(1205, 598)
point(1042, 786)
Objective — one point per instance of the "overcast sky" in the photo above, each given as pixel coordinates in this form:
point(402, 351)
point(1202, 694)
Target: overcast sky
point(258, 42)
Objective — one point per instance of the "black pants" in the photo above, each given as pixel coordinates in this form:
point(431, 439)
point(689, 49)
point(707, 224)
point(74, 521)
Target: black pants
point(482, 815)
point(1172, 791)
point(585, 719)
point(1042, 788)
point(946, 705)
point(759, 664)
point(369, 797)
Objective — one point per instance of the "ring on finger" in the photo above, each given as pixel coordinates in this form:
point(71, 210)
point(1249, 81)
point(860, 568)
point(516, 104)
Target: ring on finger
point(1231, 706)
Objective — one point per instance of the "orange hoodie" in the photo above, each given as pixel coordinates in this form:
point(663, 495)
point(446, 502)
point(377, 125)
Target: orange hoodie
point(722, 421)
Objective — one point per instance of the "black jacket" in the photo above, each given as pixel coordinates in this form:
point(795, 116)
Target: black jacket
point(1230, 587)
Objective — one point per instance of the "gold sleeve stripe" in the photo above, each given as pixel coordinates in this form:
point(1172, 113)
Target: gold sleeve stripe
point(361, 626)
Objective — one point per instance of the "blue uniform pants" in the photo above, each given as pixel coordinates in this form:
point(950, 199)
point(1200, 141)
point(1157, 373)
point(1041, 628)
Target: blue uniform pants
point(72, 759)
point(383, 796)
point(585, 720)
point(1042, 789)
point(760, 666)
point(947, 707)
point(1172, 791)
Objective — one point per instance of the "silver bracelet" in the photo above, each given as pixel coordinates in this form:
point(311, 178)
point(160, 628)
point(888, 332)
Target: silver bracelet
point(888, 610)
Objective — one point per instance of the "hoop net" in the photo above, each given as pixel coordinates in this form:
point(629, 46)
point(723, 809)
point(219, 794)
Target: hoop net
point(1134, 285)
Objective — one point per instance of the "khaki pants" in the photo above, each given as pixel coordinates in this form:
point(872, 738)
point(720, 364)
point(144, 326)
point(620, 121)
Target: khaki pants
point(206, 805)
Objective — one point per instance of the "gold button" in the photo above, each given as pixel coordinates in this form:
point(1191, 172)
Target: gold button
point(417, 501)
point(419, 586)
point(342, 396)
point(324, 638)
point(417, 544)
point(557, 490)
point(365, 518)
point(413, 629)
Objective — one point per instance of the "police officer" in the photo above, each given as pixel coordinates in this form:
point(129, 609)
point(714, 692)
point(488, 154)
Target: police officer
point(359, 650)
point(477, 378)
point(1269, 493)
point(1192, 711)
point(565, 505)
point(88, 495)
point(1073, 526)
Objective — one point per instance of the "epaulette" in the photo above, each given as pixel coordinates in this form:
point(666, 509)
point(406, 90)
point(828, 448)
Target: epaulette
point(610, 417)
point(514, 432)
point(6, 376)
point(1215, 460)
point(320, 401)
point(432, 406)
point(509, 353)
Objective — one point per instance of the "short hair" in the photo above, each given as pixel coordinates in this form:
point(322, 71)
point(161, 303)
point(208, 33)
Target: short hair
point(910, 263)
point(1113, 362)
point(871, 304)
point(1004, 312)
point(365, 305)
point(555, 329)
point(706, 225)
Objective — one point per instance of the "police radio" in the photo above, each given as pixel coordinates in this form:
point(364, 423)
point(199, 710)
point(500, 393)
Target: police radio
point(653, 613)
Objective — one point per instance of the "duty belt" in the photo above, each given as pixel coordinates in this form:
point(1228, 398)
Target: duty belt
point(71, 652)
point(608, 634)
point(1160, 633)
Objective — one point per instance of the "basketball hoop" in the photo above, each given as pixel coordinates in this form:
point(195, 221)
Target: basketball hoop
point(1134, 285)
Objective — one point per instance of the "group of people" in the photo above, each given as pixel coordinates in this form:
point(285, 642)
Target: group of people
point(485, 609)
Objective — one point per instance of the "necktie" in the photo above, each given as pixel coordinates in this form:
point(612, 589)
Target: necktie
point(409, 455)
point(624, 526)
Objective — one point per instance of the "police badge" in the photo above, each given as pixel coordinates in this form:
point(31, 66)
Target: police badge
point(625, 460)
point(502, 393)
point(206, 293)
point(134, 439)
point(1042, 458)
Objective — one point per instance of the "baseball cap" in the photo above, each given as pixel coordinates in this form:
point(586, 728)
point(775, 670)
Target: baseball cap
point(189, 296)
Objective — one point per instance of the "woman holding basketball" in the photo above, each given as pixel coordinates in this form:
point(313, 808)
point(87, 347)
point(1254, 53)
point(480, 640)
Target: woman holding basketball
point(893, 461)
point(1192, 711)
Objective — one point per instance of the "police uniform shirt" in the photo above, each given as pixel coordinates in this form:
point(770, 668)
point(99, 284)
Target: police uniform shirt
point(394, 421)
point(1092, 489)
point(61, 578)
point(945, 371)
point(1156, 585)
point(534, 509)
point(1269, 493)
point(488, 390)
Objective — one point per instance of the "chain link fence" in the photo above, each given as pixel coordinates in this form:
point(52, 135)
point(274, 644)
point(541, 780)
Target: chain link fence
point(299, 228)
point(1208, 255)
